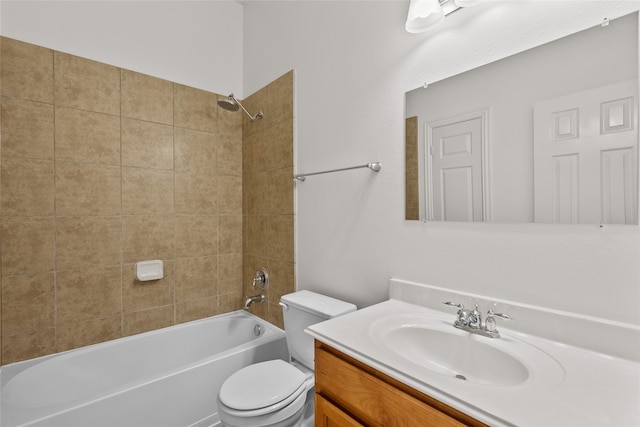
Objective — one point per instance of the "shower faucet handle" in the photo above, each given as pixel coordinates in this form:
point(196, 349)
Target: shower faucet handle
point(261, 279)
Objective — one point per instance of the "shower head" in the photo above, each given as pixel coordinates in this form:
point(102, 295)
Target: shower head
point(230, 103)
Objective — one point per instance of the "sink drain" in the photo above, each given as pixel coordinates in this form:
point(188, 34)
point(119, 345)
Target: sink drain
point(461, 377)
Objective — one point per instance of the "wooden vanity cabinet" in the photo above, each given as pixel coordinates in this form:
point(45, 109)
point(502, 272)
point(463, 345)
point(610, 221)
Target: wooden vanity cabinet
point(350, 393)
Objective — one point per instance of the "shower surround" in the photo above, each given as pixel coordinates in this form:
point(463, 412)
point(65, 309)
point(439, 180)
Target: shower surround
point(102, 167)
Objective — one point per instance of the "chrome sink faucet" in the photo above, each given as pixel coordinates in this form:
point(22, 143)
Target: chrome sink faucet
point(471, 320)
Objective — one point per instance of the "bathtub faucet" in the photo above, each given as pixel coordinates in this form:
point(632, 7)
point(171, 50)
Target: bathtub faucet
point(253, 299)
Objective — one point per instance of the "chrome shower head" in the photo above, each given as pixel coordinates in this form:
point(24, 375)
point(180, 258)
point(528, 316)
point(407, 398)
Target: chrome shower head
point(230, 103)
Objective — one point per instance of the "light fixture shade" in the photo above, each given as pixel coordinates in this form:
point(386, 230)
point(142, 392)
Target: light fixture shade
point(467, 3)
point(423, 14)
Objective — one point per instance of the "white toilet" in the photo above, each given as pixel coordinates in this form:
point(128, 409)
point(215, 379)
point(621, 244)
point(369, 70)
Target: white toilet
point(278, 393)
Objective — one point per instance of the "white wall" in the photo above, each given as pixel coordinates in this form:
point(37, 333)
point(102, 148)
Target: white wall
point(353, 63)
point(196, 43)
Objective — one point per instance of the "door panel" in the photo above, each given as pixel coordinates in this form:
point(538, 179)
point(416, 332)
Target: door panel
point(455, 162)
point(585, 151)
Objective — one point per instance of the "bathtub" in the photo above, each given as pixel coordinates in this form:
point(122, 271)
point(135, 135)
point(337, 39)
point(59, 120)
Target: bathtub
point(166, 377)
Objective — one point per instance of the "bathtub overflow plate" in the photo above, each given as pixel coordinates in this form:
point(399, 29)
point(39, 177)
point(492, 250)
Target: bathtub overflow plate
point(257, 330)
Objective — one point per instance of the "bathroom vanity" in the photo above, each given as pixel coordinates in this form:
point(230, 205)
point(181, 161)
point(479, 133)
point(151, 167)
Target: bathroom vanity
point(403, 363)
point(348, 390)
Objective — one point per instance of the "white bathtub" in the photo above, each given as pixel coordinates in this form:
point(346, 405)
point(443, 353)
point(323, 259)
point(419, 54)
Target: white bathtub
point(167, 377)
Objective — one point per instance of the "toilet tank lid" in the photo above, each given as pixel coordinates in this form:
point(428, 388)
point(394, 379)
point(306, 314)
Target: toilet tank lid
point(318, 304)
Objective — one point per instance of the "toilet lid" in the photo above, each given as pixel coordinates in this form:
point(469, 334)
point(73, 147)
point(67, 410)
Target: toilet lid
point(261, 385)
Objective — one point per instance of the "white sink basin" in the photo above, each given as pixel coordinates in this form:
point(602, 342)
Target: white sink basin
point(433, 344)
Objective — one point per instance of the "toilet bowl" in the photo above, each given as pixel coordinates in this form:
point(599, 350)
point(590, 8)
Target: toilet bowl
point(272, 393)
point(277, 393)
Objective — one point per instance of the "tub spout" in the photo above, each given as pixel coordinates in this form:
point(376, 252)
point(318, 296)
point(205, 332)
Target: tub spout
point(253, 299)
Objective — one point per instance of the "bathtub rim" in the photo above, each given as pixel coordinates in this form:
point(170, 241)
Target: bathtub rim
point(9, 371)
point(270, 335)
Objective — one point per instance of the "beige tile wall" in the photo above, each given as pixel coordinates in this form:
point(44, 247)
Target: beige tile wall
point(268, 194)
point(102, 167)
point(412, 199)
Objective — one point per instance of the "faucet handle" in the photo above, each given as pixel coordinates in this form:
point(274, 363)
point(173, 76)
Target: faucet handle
point(453, 304)
point(490, 322)
point(261, 279)
point(500, 315)
point(463, 314)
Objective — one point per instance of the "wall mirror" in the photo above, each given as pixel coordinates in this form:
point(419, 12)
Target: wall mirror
point(547, 135)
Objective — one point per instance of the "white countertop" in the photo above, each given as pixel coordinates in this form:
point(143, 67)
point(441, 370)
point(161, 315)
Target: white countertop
point(592, 389)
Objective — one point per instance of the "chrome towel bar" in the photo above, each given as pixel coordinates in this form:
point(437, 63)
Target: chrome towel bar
point(374, 166)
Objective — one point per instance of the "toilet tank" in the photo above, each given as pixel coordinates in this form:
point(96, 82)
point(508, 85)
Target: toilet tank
point(305, 308)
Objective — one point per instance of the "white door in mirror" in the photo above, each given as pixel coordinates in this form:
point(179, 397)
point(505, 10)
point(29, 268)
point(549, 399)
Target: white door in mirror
point(455, 165)
point(585, 151)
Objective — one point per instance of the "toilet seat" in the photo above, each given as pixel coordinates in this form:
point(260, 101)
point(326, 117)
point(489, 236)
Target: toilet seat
point(262, 388)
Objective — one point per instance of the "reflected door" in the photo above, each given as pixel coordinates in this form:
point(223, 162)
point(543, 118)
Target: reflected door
point(585, 151)
point(454, 149)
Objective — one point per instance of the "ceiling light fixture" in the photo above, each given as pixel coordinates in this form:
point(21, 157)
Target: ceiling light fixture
point(425, 14)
